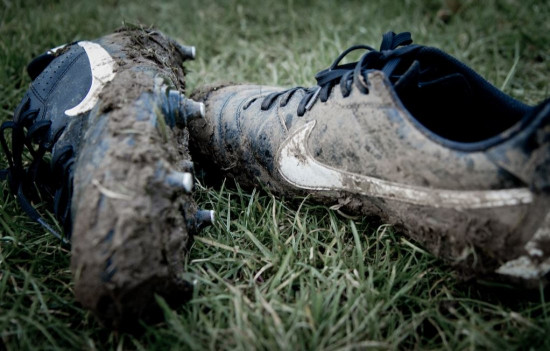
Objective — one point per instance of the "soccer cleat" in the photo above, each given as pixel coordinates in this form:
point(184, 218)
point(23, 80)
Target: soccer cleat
point(112, 116)
point(406, 133)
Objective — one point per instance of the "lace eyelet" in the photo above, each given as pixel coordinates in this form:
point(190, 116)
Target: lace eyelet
point(247, 105)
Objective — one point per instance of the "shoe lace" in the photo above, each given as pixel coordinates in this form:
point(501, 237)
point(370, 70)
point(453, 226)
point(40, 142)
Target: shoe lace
point(393, 49)
point(39, 179)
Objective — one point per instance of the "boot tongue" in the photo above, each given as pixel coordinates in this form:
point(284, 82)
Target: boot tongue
point(450, 99)
point(427, 87)
point(438, 99)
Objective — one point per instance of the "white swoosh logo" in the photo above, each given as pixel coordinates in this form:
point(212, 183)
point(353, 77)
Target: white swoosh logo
point(298, 167)
point(103, 71)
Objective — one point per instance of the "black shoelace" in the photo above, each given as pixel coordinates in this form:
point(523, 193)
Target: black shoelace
point(393, 48)
point(39, 180)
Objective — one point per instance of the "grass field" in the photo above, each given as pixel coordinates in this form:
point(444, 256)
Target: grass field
point(276, 274)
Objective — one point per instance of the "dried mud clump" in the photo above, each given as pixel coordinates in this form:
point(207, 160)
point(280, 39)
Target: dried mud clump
point(131, 229)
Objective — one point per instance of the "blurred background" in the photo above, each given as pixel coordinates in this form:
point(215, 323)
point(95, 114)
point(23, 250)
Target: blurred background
point(284, 42)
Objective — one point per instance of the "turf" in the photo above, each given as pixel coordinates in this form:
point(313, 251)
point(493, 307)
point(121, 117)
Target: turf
point(280, 273)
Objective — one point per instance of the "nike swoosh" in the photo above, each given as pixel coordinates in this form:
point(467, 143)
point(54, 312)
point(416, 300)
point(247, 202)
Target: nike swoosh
point(298, 167)
point(103, 71)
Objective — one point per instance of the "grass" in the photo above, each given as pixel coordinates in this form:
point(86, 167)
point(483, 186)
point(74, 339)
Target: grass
point(275, 273)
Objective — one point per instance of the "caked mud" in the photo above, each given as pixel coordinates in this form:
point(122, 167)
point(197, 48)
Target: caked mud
point(132, 228)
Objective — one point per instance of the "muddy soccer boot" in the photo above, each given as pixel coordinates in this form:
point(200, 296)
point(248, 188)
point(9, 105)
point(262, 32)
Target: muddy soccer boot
point(104, 123)
point(406, 133)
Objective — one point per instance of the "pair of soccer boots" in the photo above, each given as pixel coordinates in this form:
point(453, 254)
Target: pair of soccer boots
point(407, 134)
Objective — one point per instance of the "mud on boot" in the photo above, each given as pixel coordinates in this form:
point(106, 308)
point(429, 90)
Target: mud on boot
point(406, 133)
point(112, 114)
